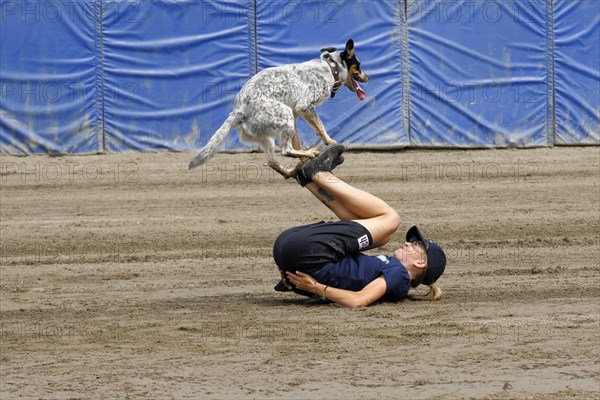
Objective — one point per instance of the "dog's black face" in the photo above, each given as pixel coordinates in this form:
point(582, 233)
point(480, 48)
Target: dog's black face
point(352, 64)
point(354, 72)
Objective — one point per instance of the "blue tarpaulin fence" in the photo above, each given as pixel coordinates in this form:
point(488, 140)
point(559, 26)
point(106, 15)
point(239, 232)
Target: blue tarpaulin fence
point(145, 75)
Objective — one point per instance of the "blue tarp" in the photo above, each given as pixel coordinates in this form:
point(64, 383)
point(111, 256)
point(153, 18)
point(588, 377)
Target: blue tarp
point(144, 75)
point(479, 73)
point(577, 60)
point(50, 72)
point(171, 70)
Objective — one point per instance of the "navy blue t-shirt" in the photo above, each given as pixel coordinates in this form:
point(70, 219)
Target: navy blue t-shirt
point(354, 272)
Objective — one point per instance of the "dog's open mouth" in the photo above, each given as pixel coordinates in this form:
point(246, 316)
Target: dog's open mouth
point(359, 92)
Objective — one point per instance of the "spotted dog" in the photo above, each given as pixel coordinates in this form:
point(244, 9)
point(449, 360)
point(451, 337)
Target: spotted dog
point(269, 103)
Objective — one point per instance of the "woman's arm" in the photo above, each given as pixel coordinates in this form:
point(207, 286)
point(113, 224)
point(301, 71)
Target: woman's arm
point(370, 293)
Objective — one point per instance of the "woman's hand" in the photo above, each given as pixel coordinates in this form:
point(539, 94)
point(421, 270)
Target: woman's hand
point(370, 293)
point(302, 281)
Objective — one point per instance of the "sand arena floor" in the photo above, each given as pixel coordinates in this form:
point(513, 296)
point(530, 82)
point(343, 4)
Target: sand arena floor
point(126, 276)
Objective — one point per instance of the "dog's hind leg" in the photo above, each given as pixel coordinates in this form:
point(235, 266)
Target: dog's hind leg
point(268, 144)
point(287, 150)
point(295, 138)
point(296, 144)
point(291, 146)
point(288, 135)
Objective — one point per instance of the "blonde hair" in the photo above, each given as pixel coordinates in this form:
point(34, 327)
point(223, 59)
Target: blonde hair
point(435, 294)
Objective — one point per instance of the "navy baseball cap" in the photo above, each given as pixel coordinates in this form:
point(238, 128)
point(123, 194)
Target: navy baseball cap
point(436, 259)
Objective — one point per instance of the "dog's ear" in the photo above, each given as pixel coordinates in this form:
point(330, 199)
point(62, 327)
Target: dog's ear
point(329, 49)
point(349, 50)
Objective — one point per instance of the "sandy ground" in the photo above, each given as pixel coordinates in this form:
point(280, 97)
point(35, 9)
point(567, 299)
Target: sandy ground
point(126, 276)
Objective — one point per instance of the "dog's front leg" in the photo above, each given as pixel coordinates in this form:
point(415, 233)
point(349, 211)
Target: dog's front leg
point(313, 120)
point(291, 147)
point(287, 150)
point(297, 145)
point(296, 140)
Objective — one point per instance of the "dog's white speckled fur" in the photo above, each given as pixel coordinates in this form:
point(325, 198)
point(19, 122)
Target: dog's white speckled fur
point(269, 103)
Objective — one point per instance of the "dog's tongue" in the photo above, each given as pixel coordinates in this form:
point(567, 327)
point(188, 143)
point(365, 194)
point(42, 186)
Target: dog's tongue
point(359, 92)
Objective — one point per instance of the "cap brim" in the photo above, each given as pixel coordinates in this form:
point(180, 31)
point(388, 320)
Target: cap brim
point(415, 233)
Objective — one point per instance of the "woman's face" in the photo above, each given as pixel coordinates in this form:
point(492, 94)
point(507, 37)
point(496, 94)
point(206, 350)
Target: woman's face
point(410, 253)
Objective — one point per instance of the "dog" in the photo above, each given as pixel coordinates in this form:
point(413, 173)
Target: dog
point(268, 105)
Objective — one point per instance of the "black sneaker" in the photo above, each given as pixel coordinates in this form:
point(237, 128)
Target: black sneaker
point(337, 161)
point(327, 160)
point(300, 178)
point(280, 287)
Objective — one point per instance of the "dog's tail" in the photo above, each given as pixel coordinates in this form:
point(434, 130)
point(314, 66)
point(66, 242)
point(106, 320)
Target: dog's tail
point(215, 142)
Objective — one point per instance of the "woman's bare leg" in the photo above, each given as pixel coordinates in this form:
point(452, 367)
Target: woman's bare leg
point(328, 200)
point(350, 203)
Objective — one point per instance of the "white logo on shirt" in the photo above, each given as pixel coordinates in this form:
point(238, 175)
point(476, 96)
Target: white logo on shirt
point(363, 242)
point(384, 259)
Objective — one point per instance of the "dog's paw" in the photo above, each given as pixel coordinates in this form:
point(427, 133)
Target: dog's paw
point(313, 152)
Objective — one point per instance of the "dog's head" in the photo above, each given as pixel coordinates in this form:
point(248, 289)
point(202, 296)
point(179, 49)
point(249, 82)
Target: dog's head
point(353, 72)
